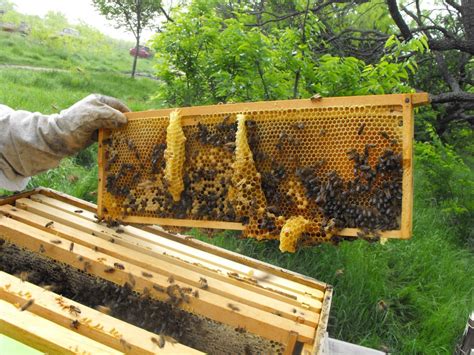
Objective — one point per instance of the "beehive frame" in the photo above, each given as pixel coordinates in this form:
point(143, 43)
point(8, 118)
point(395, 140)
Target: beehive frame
point(355, 113)
point(275, 304)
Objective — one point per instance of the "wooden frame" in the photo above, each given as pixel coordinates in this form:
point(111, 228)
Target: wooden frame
point(406, 101)
point(273, 303)
point(89, 327)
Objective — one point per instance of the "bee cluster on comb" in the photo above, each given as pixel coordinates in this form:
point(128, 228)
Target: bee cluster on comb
point(263, 168)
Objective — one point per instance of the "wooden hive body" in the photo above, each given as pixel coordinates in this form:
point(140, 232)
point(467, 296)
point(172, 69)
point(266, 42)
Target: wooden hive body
point(159, 285)
point(345, 159)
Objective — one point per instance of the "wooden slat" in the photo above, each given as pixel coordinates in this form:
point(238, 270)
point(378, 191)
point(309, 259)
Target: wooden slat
point(12, 198)
point(156, 246)
point(184, 252)
point(164, 253)
point(197, 244)
point(45, 335)
point(391, 99)
point(290, 346)
point(192, 223)
point(233, 292)
point(420, 98)
point(94, 325)
point(210, 305)
point(406, 223)
point(318, 344)
point(101, 178)
point(61, 196)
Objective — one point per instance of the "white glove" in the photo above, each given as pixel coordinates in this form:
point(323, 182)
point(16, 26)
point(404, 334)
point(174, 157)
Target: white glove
point(31, 143)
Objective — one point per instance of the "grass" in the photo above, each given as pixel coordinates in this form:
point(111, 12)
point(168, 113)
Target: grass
point(412, 297)
point(111, 57)
point(425, 284)
point(49, 92)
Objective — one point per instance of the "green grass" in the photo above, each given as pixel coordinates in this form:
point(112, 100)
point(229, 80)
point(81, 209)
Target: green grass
point(22, 50)
point(427, 283)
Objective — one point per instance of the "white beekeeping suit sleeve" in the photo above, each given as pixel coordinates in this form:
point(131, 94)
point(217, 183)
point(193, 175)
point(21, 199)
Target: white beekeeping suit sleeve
point(31, 143)
point(15, 182)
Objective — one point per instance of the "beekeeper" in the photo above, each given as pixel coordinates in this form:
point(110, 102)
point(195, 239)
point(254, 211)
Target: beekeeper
point(31, 143)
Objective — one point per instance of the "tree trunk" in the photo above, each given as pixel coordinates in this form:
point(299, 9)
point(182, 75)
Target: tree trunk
point(134, 67)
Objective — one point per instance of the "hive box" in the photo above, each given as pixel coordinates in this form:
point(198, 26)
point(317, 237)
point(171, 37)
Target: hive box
point(157, 288)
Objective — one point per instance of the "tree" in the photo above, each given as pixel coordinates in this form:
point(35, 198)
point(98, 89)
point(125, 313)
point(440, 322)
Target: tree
point(134, 15)
point(218, 51)
point(450, 33)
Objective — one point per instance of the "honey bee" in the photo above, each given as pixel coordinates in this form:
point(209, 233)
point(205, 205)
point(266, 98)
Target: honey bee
point(119, 266)
point(299, 125)
point(146, 274)
point(75, 324)
point(361, 129)
point(27, 305)
point(160, 342)
point(382, 305)
point(71, 246)
point(74, 310)
point(103, 309)
point(49, 224)
point(203, 283)
point(24, 276)
point(133, 148)
point(125, 344)
point(316, 98)
point(78, 211)
point(159, 288)
point(233, 307)
point(384, 134)
point(86, 266)
point(196, 293)
point(55, 241)
point(109, 270)
point(132, 280)
point(171, 279)
point(111, 161)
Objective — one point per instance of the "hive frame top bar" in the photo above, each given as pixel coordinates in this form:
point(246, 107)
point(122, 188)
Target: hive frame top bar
point(191, 117)
point(416, 99)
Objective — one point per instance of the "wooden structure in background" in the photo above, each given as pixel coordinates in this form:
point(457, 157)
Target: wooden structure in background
point(270, 302)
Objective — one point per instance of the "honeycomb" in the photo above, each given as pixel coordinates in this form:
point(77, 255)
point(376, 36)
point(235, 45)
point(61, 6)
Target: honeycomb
point(245, 192)
point(336, 165)
point(175, 156)
point(291, 232)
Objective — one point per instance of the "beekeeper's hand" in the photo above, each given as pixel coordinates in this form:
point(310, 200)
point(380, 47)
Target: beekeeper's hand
point(31, 143)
